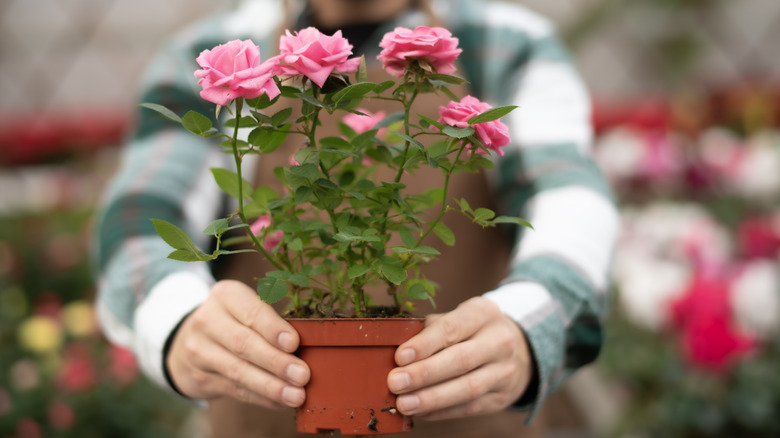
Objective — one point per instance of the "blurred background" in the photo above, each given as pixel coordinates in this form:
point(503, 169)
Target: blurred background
point(687, 109)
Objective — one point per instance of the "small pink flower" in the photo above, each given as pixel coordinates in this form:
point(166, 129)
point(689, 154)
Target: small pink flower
point(362, 123)
point(234, 70)
point(315, 55)
point(493, 134)
point(271, 240)
point(433, 45)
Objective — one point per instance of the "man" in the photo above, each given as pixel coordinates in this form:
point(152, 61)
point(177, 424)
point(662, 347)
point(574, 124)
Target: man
point(518, 313)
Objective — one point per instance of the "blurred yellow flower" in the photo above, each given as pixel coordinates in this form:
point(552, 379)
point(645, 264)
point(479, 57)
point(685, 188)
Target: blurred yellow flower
point(40, 334)
point(79, 318)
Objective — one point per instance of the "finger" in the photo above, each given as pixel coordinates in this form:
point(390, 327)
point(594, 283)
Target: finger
point(449, 363)
point(488, 403)
point(243, 374)
point(247, 344)
point(219, 385)
point(242, 302)
point(459, 391)
point(448, 329)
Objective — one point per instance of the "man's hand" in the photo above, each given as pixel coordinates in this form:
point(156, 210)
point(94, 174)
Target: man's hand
point(471, 360)
point(238, 346)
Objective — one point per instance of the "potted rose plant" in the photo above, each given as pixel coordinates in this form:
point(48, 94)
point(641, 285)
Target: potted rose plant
point(338, 225)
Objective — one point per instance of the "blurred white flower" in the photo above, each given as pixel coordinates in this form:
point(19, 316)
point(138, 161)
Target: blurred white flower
point(721, 151)
point(647, 285)
point(677, 231)
point(758, 175)
point(755, 295)
point(620, 152)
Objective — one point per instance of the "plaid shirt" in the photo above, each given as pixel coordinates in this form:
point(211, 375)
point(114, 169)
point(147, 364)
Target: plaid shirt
point(557, 289)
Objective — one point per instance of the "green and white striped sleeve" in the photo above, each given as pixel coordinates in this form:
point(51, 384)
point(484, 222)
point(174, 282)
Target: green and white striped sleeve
point(558, 282)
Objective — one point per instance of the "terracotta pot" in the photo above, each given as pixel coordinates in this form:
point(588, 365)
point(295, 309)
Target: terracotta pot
point(349, 361)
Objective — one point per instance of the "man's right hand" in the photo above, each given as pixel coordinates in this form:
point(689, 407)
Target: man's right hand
point(236, 345)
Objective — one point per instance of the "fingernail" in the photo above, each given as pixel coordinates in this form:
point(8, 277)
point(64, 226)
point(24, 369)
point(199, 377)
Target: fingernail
point(407, 404)
point(292, 396)
point(296, 374)
point(399, 381)
point(405, 357)
point(286, 341)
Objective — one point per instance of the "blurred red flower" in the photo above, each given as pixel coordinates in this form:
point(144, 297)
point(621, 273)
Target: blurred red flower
point(704, 318)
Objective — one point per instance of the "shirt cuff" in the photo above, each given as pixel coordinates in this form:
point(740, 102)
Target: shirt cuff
point(525, 303)
point(168, 302)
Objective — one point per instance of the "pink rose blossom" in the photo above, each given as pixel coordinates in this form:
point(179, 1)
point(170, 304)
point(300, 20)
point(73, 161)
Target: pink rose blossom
point(362, 123)
point(272, 240)
point(433, 45)
point(234, 70)
point(315, 55)
point(493, 134)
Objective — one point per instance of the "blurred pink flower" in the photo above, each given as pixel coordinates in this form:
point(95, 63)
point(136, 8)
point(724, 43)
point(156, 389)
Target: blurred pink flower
point(234, 70)
point(271, 240)
point(759, 237)
point(61, 415)
point(123, 365)
point(362, 123)
point(28, 428)
point(434, 46)
point(77, 372)
point(315, 55)
point(704, 317)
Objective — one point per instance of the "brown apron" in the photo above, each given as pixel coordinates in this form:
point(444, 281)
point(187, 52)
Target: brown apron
point(475, 265)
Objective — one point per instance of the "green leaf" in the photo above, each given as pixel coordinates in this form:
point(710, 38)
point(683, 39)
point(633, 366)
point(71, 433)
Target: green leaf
point(244, 122)
point(407, 238)
point(512, 220)
point(362, 75)
point(227, 180)
point(444, 233)
point(268, 139)
point(450, 79)
point(183, 255)
point(311, 100)
point(382, 86)
point(296, 244)
point(335, 143)
point(263, 195)
point(173, 235)
point(281, 116)
point(217, 227)
point(454, 132)
point(393, 273)
point(484, 214)
point(427, 250)
point(165, 112)
point(353, 91)
point(272, 289)
point(417, 291)
point(357, 271)
point(411, 140)
point(390, 119)
point(492, 114)
point(431, 121)
point(464, 204)
point(309, 171)
point(196, 123)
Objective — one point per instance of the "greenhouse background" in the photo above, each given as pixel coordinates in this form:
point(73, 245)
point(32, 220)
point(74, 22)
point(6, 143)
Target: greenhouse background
point(687, 114)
